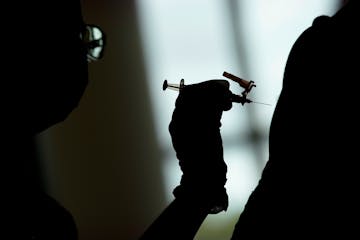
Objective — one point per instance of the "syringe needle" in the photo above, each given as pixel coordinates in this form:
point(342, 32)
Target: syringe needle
point(261, 103)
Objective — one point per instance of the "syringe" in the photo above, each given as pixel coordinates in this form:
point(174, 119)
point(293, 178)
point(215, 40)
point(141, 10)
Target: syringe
point(247, 85)
point(172, 86)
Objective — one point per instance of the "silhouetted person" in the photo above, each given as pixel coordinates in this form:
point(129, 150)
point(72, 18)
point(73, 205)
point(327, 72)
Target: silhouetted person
point(309, 186)
point(45, 53)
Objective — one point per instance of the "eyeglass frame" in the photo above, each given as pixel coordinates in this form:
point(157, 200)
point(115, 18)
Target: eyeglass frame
point(90, 42)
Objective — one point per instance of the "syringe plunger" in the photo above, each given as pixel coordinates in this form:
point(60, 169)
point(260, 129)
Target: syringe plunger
point(172, 86)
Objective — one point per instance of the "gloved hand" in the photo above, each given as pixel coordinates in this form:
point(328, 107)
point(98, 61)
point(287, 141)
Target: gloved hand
point(196, 138)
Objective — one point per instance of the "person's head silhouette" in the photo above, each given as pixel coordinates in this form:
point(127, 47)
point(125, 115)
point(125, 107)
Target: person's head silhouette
point(47, 49)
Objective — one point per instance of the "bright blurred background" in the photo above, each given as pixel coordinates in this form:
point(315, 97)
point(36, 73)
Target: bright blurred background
point(111, 163)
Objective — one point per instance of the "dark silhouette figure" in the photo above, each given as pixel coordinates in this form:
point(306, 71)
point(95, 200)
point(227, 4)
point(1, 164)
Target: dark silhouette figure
point(45, 50)
point(309, 186)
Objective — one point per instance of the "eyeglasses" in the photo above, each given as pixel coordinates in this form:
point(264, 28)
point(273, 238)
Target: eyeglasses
point(94, 39)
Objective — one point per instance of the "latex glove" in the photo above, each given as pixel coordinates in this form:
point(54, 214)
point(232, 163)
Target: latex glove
point(196, 138)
